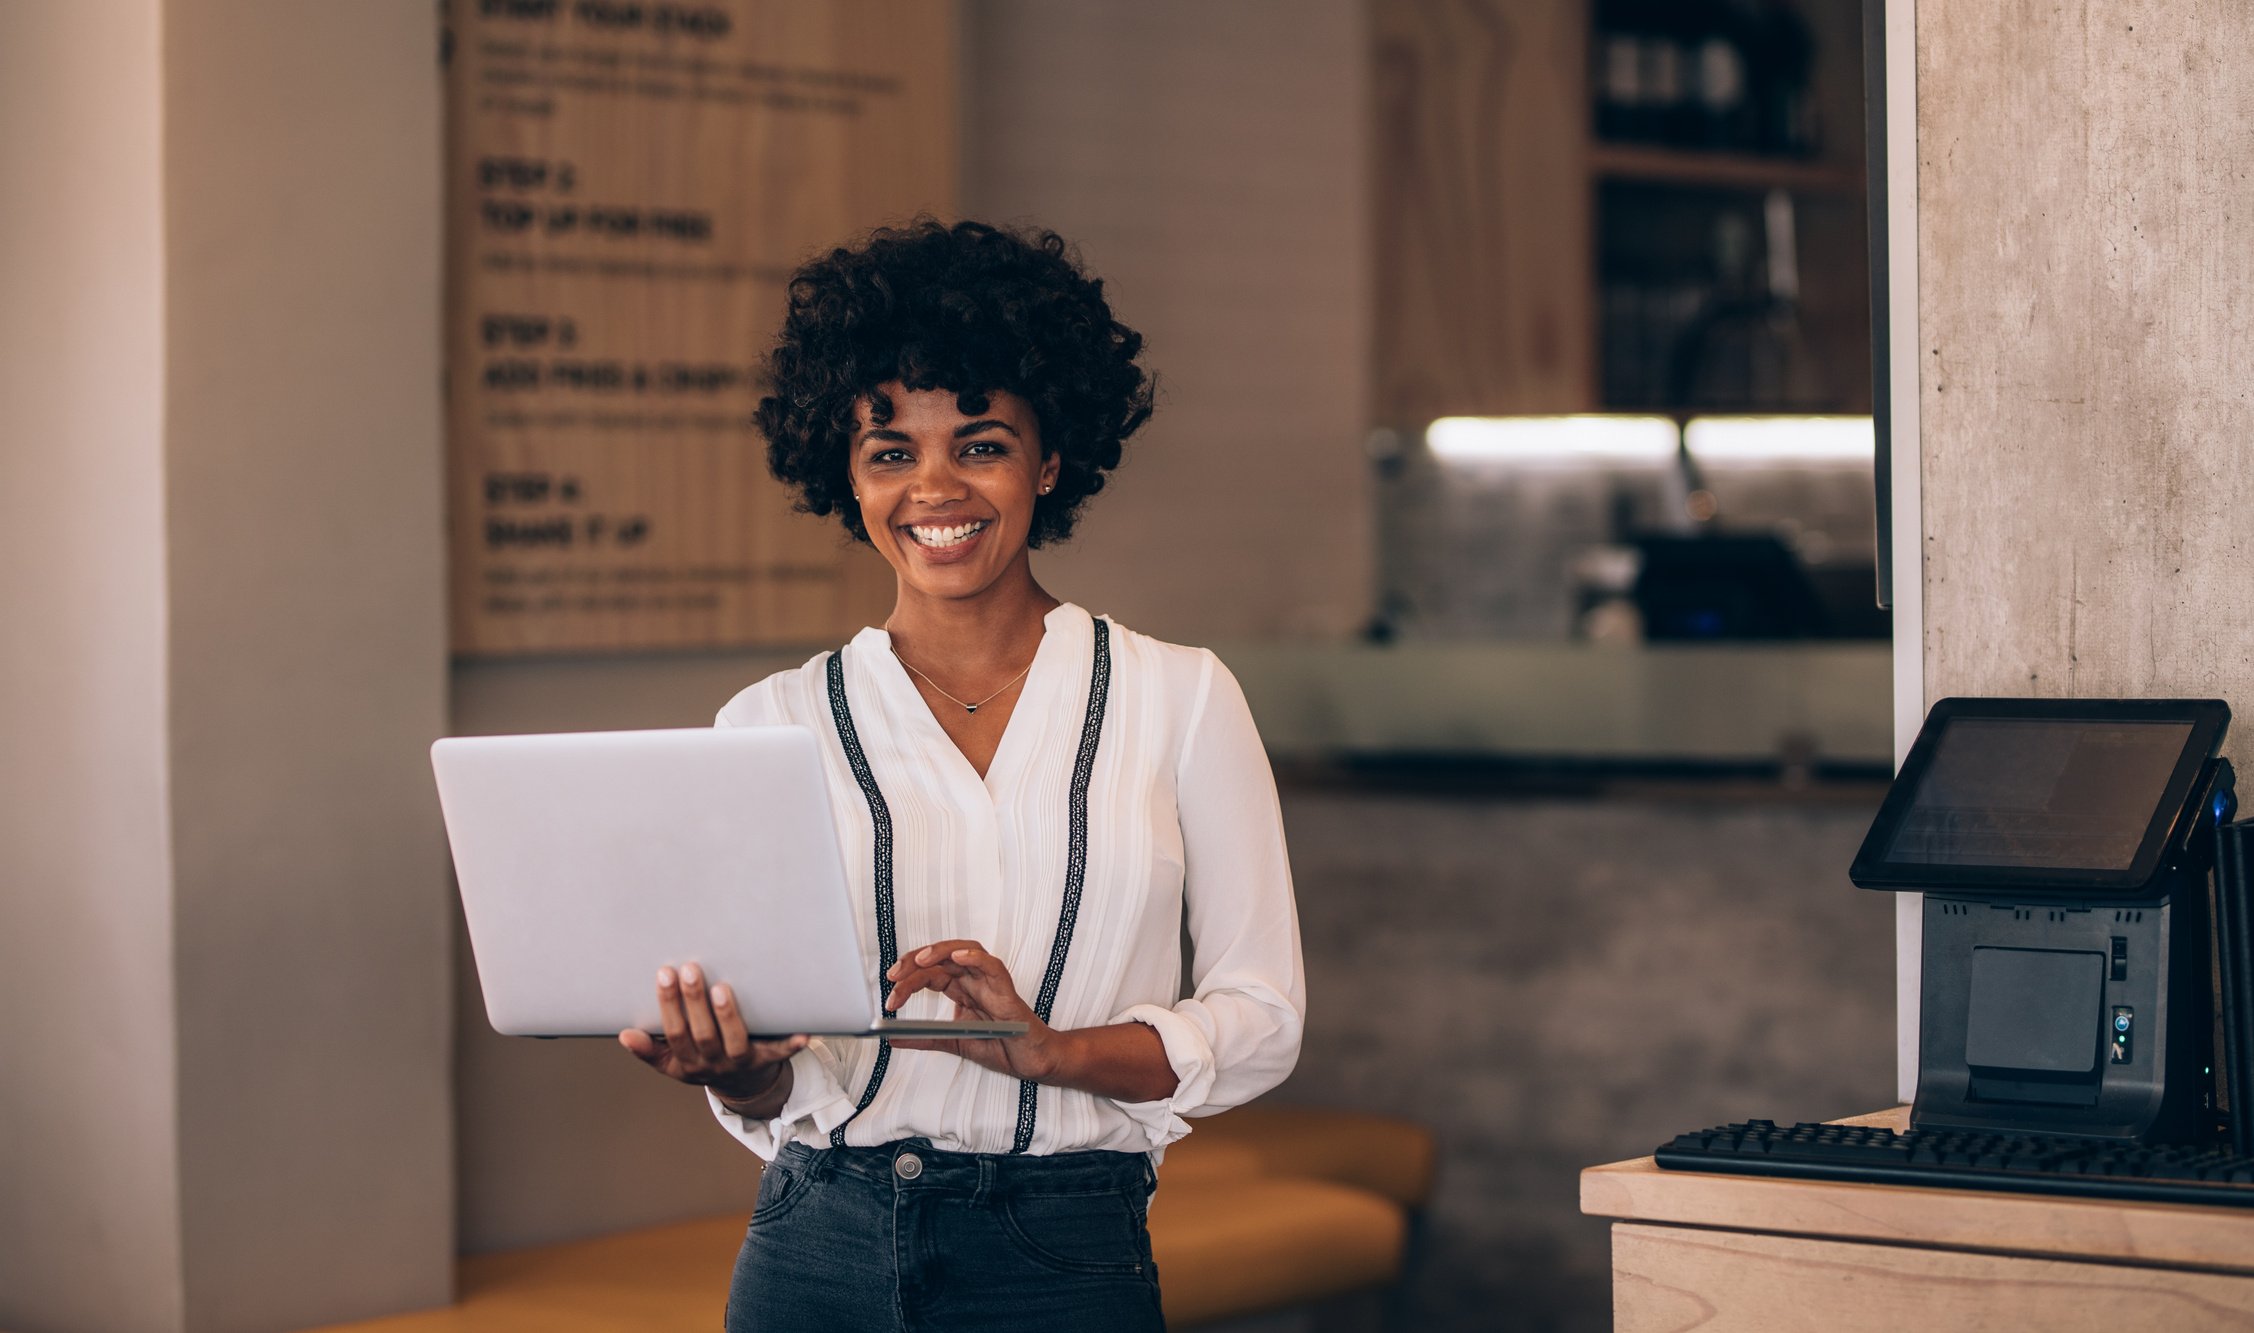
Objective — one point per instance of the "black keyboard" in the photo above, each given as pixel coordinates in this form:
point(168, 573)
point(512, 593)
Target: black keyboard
point(1962, 1159)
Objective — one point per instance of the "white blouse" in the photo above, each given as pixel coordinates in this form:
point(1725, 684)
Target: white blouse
point(1183, 829)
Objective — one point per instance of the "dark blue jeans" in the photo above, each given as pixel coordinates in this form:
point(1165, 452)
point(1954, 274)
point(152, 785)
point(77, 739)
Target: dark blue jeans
point(905, 1238)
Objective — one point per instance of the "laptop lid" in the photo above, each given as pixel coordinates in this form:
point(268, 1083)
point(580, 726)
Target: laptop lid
point(588, 860)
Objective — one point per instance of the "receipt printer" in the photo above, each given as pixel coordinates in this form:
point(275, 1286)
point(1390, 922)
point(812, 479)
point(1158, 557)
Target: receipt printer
point(2063, 847)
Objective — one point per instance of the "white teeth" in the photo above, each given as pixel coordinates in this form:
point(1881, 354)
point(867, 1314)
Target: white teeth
point(939, 538)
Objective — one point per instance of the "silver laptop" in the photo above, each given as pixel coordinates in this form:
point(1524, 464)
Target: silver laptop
point(588, 860)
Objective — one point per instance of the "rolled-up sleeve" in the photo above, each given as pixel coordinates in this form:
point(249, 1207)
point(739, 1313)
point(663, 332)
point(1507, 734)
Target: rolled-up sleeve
point(817, 1096)
point(1238, 1034)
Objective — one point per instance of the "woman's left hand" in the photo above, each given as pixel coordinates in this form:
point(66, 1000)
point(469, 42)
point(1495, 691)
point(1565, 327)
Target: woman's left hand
point(980, 986)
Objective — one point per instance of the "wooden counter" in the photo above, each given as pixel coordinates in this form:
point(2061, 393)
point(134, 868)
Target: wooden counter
point(1692, 1250)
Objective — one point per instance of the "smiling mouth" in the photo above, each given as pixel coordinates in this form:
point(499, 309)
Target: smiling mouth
point(939, 539)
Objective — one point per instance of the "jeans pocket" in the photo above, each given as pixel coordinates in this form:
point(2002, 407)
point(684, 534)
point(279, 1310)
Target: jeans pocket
point(780, 1189)
point(1096, 1232)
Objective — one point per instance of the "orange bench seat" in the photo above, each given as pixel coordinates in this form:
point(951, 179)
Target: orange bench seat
point(1260, 1208)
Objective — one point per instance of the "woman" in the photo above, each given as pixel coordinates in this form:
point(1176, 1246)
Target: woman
point(1035, 803)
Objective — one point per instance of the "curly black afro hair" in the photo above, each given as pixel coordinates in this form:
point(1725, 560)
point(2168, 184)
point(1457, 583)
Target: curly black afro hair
point(969, 308)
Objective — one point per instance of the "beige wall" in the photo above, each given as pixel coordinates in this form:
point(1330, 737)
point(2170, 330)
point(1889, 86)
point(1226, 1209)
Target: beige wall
point(223, 930)
point(308, 657)
point(89, 1199)
point(2086, 305)
point(1211, 162)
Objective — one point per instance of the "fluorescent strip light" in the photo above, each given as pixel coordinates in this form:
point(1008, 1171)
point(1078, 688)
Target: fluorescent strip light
point(1774, 440)
point(1552, 440)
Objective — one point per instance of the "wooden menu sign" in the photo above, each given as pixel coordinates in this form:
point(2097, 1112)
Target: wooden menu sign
point(629, 185)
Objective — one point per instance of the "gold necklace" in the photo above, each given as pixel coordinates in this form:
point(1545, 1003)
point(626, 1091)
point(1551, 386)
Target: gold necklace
point(966, 707)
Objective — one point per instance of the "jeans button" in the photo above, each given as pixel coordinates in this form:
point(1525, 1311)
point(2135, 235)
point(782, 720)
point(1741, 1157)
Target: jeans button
point(908, 1165)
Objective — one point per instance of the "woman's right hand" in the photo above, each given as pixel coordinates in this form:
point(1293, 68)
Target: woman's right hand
point(705, 1043)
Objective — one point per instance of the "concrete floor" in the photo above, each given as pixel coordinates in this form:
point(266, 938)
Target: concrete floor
point(1552, 983)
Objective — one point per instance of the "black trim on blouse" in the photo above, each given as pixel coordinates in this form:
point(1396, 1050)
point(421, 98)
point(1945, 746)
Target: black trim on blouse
point(881, 817)
point(1075, 870)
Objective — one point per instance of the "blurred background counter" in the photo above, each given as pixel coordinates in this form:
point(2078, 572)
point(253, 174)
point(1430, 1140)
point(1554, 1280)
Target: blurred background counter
point(1730, 706)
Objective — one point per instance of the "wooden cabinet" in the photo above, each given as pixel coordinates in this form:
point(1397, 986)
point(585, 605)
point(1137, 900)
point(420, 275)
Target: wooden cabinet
point(1692, 1250)
point(1677, 1278)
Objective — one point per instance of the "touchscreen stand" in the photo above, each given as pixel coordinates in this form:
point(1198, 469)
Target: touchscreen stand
point(2064, 848)
point(2234, 969)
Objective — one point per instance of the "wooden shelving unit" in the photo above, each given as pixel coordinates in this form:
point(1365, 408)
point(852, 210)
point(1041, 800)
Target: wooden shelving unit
point(1491, 188)
point(1726, 171)
point(1659, 217)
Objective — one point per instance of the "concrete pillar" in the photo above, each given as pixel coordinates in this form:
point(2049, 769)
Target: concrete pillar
point(2086, 307)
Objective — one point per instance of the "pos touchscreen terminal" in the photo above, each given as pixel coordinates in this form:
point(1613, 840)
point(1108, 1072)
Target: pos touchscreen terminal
point(2063, 846)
